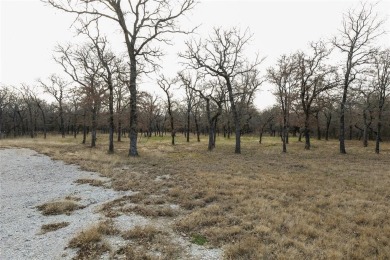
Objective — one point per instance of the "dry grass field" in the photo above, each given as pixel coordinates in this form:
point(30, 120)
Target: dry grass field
point(262, 204)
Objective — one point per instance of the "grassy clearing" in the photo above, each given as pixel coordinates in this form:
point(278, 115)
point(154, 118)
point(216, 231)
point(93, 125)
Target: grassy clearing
point(59, 207)
point(53, 227)
point(304, 204)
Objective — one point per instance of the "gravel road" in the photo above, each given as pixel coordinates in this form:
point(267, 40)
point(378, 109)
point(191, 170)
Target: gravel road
point(28, 179)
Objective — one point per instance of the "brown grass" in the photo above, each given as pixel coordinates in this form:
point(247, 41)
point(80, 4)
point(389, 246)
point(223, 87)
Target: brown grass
point(145, 233)
point(149, 242)
point(59, 207)
point(92, 182)
point(90, 243)
point(53, 227)
point(304, 204)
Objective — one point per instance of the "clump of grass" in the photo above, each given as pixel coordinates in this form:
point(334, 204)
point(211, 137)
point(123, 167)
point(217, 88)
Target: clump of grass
point(92, 182)
point(198, 239)
point(157, 243)
point(59, 207)
point(153, 211)
point(107, 227)
point(53, 227)
point(130, 252)
point(90, 243)
point(142, 233)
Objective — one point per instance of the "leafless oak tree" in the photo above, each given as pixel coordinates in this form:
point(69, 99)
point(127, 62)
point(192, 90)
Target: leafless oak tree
point(382, 86)
point(166, 85)
point(143, 23)
point(222, 56)
point(359, 30)
point(282, 76)
point(313, 78)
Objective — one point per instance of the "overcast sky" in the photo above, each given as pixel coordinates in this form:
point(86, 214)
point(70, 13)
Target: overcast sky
point(30, 31)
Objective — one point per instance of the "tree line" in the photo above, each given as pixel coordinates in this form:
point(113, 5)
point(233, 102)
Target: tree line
point(316, 92)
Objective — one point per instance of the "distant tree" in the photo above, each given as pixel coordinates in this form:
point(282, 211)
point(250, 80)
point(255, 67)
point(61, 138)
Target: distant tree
point(266, 117)
point(4, 103)
point(381, 61)
point(360, 28)
point(121, 93)
point(166, 85)
point(85, 68)
point(74, 97)
point(313, 78)
point(365, 92)
point(42, 106)
point(282, 76)
point(26, 97)
point(245, 86)
point(189, 82)
point(108, 62)
point(57, 87)
point(222, 56)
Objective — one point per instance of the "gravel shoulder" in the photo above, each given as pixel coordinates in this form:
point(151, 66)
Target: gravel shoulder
point(29, 179)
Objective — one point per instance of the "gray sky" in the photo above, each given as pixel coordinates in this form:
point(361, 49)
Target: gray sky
point(30, 31)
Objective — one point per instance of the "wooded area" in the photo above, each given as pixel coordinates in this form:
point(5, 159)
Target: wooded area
point(318, 96)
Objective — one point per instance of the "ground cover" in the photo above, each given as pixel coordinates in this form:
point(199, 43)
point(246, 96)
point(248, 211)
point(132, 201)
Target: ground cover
point(260, 204)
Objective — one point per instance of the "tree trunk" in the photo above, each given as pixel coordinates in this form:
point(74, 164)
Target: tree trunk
point(84, 128)
point(378, 135)
point(119, 129)
point(111, 118)
point(94, 127)
point(211, 136)
point(197, 128)
point(133, 107)
point(342, 124)
point(307, 132)
point(62, 123)
point(328, 121)
point(188, 123)
point(236, 116)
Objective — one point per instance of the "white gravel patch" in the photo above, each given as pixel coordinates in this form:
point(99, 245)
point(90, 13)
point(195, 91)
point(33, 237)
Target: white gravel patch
point(29, 179)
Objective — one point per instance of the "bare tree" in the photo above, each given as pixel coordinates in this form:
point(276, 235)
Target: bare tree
point(75, 102)
point(365, 92)
point(190, 83)
point(108, 60)
point(57, 87)
point(314, 77)
point(360, 28)
point(166, 86)
point(222, 56)
point(282, 76)
point(33, 92)
point(382, 87)
point(85, 69)
point(121, 95)
point(266, 117)
point(245, 87)
point(5, 94)
point(143, 22)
